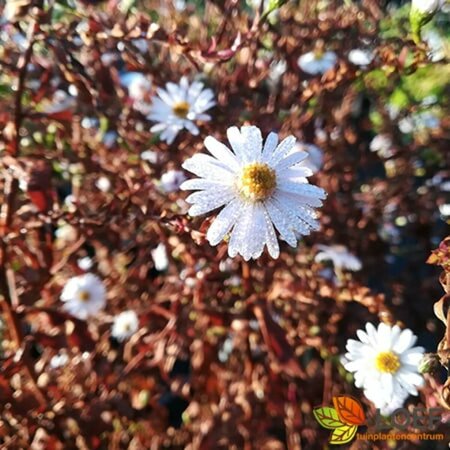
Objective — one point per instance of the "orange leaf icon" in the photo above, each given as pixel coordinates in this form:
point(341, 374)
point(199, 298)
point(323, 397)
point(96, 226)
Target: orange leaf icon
point(349, 410)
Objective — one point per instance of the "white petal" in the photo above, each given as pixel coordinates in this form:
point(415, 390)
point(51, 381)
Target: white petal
point(208, 167)
point(269, 146)
point(281, 223)
point(221, 152)
point(405, 341)
point(283, 148)
point(202, 183)
point(237, 144)
point(271, 238)
point(252, 142)
point(205, 201)
point(224, 221)
point(308, 190)
point(291, 160)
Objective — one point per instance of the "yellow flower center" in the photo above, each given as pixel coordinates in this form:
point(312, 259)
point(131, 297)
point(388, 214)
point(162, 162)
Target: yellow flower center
point(181, 109)
point(318, 54)
point(387, 362)
point(257, 181)
point(85, 296)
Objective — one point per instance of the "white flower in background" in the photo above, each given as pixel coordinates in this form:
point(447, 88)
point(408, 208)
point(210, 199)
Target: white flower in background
point(66, 232)
point(259, 186)
point(421, 13)
point(385, 364)
point(59, 360)
point(276, 71)
point(103, 184)
point(171, 180)
point(420, 121)
point(125, 325)
point(317, 62)
point(340, 257)
point(139, 87)
point(360, 57)
point(444, 209)
point(60, 102)
point(382, 144)
point(84, 296)
point(437, 45)
point(178, 106)
point(160, 259)
point(150, 156)
point(139, 90)
point(85, 263)
point(426, 6)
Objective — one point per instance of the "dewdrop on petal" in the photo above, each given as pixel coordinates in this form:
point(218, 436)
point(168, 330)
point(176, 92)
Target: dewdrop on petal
point(261, 189)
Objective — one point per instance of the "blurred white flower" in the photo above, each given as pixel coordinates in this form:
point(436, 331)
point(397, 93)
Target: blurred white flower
point(125, 325)
point(259, 186)
point(382, 144)
point(340, 257)
point(103, 184)
point(424, 120)
point(66, 232)
point(171, 180)
point(84, 296)
point(178, 106)
point(444, 209)
point(360, 57)
point(150, 156)
point(59, 360)
point(276, 71)
point(426, 6)
point(316, 63)
point(139, 87)
point(61, 101)
point(385, 364)
point(85, 263)
point(438, 47)
point(160, 259)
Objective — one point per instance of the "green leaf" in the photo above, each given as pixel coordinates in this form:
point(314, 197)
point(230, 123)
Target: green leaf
point(327, 417)
point(343, 434)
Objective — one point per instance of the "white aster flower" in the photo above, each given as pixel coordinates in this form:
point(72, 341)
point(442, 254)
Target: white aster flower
point(150, 156)
point(340, 257)
point(84, 296)
point(316, 63)
point(385, 364)
point(260, 187)
point(382, 144)
point(103, 184)
point(86, 263)
point(59, 360)
point(426, 6)
point(171, 180)
point(159, 255)
point(125, 325)
point(178, 106)
point(360, 57)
